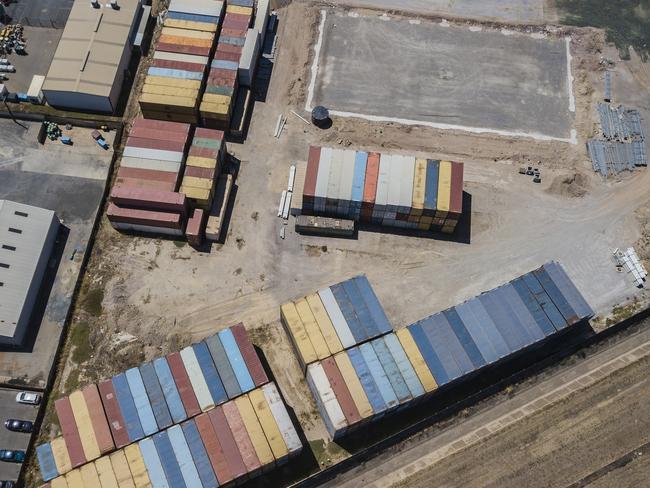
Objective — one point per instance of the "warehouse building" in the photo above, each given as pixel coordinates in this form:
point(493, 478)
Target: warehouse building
point(27, 236)
point(93, 54)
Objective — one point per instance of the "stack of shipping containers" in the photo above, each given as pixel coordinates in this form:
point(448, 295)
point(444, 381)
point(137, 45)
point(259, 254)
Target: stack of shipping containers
point(174, 81)
point(365, 380)
point(171, 403)
point(383, 189)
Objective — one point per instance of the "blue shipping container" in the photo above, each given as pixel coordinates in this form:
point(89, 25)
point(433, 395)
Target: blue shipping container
point(222, 64)
point(436, 338)
point(499, 294)
point(168, 460)
point(153, 463)
point(465, 338)
point(369, 387)
point(210, 373)
point(430, 357)
point(478, 332)
point(556, 295)
point(543, 322)
point(183, 456)
point(451, 343)
point(545, 301)
point(359, 178)
point(372, 302)
point(233, 41)
point(46, 462)
point(393, 373)
point(525, 316)
point(404, 364)
point(156, 396)
point(502, 321)
point(357, 329)
point(360, 309)
point(242, 3)
point(224, 369)
point(127, 407)
point(568, 289)
point(236, 360)
point(379, 375)
point(199, 454)
point(206, 19)
point(431, 186)
point(141, 401)
point(484, 319)
point(172, 397)
point(175, 73)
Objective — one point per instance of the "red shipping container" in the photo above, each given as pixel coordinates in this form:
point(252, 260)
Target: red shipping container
point(372, 173)
point(70, 432)
point(156, 144)
point(203, 152)
point(147, 174)
point(227, 441)
point(456, 198)
point(221, 56)
point(233, 31)
point(183, 49)
point(213, 449)
point(191, 67)
point(240, 434)
point(113, 413)
point(98, 418)
point(195, 227)
point(158, 134)
point(148, 199)
point(341, 391)
point(311, 175)
point(183, 384)
point(226, 74)
point(195, 172)
point(217, 135)
point(249, 354)
point(143, 183)
point(138, 216)
point(229, 48)
point(175, 127)
point(235, 22)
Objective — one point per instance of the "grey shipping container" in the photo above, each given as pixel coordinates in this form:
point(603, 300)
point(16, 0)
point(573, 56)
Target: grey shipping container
point(224, 368)
point(156, 396)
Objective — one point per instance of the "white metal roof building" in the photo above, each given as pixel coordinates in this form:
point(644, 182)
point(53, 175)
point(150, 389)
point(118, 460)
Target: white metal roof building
point(88, 67)
point(27, 236)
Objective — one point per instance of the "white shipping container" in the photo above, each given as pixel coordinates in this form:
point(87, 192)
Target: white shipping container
point(283, 198)
point(147, 229)
point(335, 174)
point(394, 183)
point(336, 316)
point(248, 59)
point(322, 177)
point(197, 379)
point(292, 177)
point(347, 175)
point(287, 205)
point(326, 400)
point(35, 93)
point(184, 58)
point(385, 163)
point(183, 456)
point(406, 180)
point(141, 152)
point(155, 164)
point(200, 7)
point(262, 19)
point(281, 416)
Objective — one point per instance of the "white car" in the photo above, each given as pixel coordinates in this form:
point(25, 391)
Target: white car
point(28, 398)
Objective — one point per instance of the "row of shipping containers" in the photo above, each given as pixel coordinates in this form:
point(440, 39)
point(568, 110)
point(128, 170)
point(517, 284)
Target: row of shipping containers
point(144, 197)
point(150, 398)
point(383, 189)
point(175, 79)
point(205, 160)
point(390, 372)
point(227, 444)
point(333, 319)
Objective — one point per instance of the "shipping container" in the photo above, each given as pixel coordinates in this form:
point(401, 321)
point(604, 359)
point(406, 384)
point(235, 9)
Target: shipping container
point(167, 221)
point(404, 364)
point(113, 413)
point(121, 469)
point(215, 386)
point(98, 419)
point(526, 296)
point(74, 479)
point(382, 324)
point(545, 301)
point(311, 328)
point(148, 199)
point(197, 379)
point(392, 371)
point(226, 372)
point(504, 322)
point(341, 391)
point(324, 323)
point(326, 226)
point(141, 401)
point(229, 443)
point(183, 456)
point(269, 425)
point(367, 381)
point(46, 462)
point(558, 298)
point(478, 332)
point(456, 196)
point(150, 164)
point(70, 431)
point(59, 483)
point(569, 290)
point(465, 338)
point(236, 360)
point(255, 432)
point(61, 456)
point(168, 460)
point(354, 385)
point(336, 316)
point(215, 451)
point(105, 473)
point(322, 179)
point(496, 339)
point(128, 408)
point(298, 335)
point(379, 376)
point(242, 439)
point(156, 396)
point(249, 354)
point(199, 454)
point(359, 309)
point(279, 411)
point(430, 356)
point(89, 475)
point(169, 390)
point(249, 56)
point(137, 152)
point(452, 357)
point(152, 461)
point(137, 466)
point(326, 400)
point(417, 360)
point(311, 174)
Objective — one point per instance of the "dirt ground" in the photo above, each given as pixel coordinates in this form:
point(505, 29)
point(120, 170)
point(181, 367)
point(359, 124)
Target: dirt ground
point(143, 297)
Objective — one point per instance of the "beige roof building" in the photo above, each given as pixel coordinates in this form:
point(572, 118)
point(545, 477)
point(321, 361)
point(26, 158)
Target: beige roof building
point(87, 71)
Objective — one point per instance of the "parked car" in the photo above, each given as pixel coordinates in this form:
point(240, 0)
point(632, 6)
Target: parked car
point(7, 484)
point(28, 398)
point(19, 425)
point(10, 456)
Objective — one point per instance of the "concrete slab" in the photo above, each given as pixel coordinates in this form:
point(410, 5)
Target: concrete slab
point(443, 76)
point(13, 440)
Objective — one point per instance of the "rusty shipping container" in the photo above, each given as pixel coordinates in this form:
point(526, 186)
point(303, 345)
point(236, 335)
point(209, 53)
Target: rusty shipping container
point(228, 442)
point(113, 413)
point(214, 449)
point(148, 199)
point(168, 220)
point(70, 431)
point(249, 354)
point(98, 419)
point(341, 391)
point(240, 434)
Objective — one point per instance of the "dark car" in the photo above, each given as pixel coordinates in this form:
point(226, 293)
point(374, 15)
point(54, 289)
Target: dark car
point(10, 456)
point(7, 484)
point(19, 425)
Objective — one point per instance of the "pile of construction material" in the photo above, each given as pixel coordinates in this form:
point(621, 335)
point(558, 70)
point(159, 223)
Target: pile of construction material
point(144, 198)
point(357, 378)
point(204, 417)
point(174, 81)
point(383, 189)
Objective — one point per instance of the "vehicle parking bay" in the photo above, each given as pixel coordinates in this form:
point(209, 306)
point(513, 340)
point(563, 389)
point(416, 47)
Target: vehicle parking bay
point(13, 440)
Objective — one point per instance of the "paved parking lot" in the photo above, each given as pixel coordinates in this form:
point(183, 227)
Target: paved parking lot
point(445, 76)
point(9, 409)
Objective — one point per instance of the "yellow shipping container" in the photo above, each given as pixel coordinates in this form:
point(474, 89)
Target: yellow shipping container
point(268, 423)
point(59, 482)
point(423, 226)
point(166, 81)
point(444, 189)
point(84, 425)
point(297, 333)
point(89, 475)
point(196, 182)
point(168, 102)
point(195, 34)
point(417, 361)
point(426, 220)
point(190, 24)
point(186, 41)
point(324, 323)
point(196, 193)
point(419, 185)
point(60, 454)
point(312, 329)
point(216, 98)
point(74, 479)
point(236, 9)
point(354, 385)
point(121, 470)
point(169, 90)
point(218, 109)
point(200, 162)
point(137, 466)
point(255, 431)
point(105, 473)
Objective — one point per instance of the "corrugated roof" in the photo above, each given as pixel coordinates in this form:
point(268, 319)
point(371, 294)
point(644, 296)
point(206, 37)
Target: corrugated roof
point(89, 52)
point(23, 234)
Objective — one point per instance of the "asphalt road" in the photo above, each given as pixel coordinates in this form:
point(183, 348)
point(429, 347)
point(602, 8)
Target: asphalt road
point(585, 426)
point(9, 409)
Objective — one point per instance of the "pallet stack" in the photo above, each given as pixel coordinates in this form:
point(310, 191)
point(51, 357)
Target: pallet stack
point(204, 163)
point(222, 83)
point(384, 189)
point(174, 81)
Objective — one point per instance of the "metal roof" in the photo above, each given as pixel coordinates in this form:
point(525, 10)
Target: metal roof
point(89, 52)
point(23, 234)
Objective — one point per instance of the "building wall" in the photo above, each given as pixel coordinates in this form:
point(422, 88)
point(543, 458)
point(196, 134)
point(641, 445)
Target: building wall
point(81, 102)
